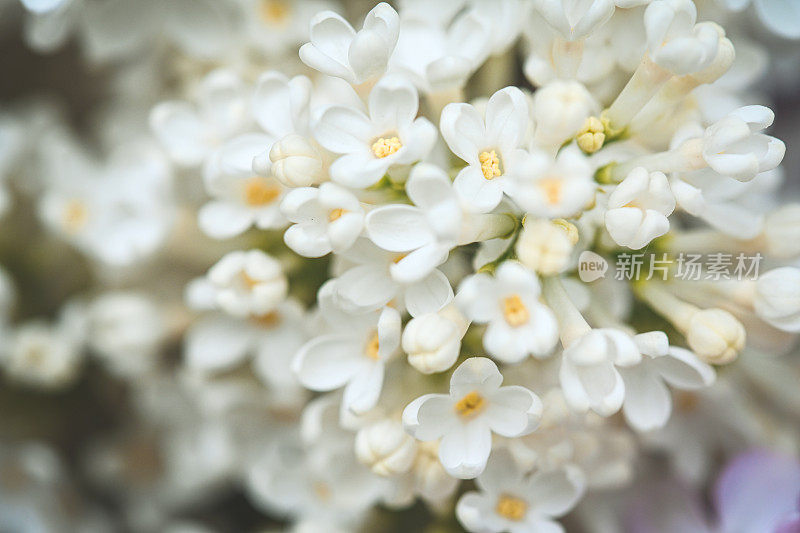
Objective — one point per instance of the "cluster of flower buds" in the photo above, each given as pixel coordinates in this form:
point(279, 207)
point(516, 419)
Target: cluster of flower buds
point(391, 287)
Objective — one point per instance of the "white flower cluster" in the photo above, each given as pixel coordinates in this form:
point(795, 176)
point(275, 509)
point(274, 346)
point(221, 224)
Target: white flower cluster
point(372, 267)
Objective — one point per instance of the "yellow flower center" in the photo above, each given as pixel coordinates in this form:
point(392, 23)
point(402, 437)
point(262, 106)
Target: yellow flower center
point(260, 191)
point(490, 164)
point(386, 146)
point(336, 214)
point(75, 216)
point(322, 490)
point(269, 320)
point(470, 405)
point(248, 281)
point(551, 188)
point(275, 12)
point(511, 508)
point(515, 311)
point(373, 347)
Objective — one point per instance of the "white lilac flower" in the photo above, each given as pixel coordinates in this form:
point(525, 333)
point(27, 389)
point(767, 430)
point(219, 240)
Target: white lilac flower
point(490, 144)
point(638, 209)
point(325, 219)
point(554, 187)
point(353, 356)
point(674, 41)
point(648, 402)
point(249, 283)
point(508, 499)
point(118, 212)
point(518, 324)
point(126, 330)
point(440, 56)
point(465, 418)
point(336, 49)
point(432, 341)
point(546, 246)
point(379, 277)
point(389, 137)
point(47, 356)
point(427, 231)
point(735, 146)
point(189, 132)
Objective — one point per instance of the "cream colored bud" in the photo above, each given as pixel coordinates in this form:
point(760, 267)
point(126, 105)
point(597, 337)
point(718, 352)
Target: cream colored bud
point(296, 162)
point(715, 335)
point(546, 246)
point(591, 136)
point(777, 298)
point(386, 448)
point(433, 341)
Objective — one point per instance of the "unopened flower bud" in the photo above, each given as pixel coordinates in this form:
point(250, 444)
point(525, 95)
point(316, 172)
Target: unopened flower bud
point(591, 136)
point(296, 162)
point(715, 335)
point(386, 448)
point(777, 298)
point(433, 341)
point(432, 480)
point(546, 246)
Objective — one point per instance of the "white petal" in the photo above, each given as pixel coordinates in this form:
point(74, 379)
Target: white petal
point(681, 368)
point(476, 373)
point(328, 362)
point(223, 220)
point(513, 411)
point(647, 402)
point(364, 389)
point(428, 295)
point(398, 228)
point(465, 448)
point(429, 417)
point(554, 493)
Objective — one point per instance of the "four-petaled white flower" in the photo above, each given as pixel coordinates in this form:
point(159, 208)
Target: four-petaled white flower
point(575, 20)
point(328, 218)
point(248, 283)
point(427, 231)
point(648, 402)
point(589, 375)
point(638, 208)
point(519, 324)
point(353, 356)
point(735, 146)
point(490, 144)
point(512, 500)
point(370, 145)
point(554, 188)
point(336, 49)
point(379, 277)
point(465, 419)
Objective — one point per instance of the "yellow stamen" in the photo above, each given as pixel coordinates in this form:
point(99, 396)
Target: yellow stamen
point(75, 216)
point(399, 258)
point(270, 320)
point(490, 164)
point(511, 508)
point(336, 214)
point(373, 347)
point(275, 12)
point(259, 191)
point(386, 146)
point(515, 311)
point(470, 405)
point(322, 490)
point(552, 188)
point(249, 282)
